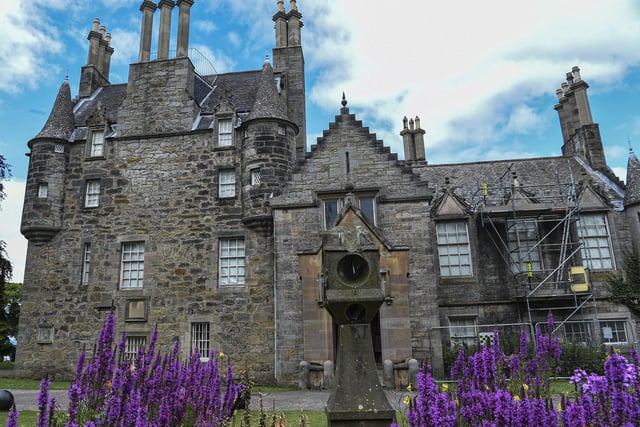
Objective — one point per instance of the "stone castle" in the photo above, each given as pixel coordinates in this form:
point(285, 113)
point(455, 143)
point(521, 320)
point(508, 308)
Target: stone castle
point(189, 202)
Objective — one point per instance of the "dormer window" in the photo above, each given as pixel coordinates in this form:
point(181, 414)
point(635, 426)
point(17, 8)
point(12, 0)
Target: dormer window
point(225, 132)
point(97, 144)
point(331, 207)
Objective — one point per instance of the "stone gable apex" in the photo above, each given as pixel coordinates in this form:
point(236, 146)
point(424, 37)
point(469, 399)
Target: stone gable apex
point(351, 216)
point(590, 198)
point(450, 205)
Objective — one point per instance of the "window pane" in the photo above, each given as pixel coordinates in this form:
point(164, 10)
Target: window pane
point(453, 249)
point(200, 338)
point(225, 132)
point(330, 212)
point(231, 261)
point(227, 183)
point(594, 235)
point(43, 191)
point(92, 197)
point(97, 144)
point(367, 206)
point(132, 265)
point(86, 263)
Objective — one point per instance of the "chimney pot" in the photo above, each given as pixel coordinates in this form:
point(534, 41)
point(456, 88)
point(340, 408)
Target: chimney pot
point(405, 121)
point(576, 74)
point(103, 29)
point(96, 24)
point(411, 124)
point(570, 78)
point(559, 94)
point(417, 122)
point(565, 87)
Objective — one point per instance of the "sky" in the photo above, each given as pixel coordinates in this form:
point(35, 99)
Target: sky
point(481, 76)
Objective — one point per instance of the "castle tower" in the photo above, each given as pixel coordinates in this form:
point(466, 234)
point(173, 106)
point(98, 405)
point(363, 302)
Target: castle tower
point(580, 134)
point(96, 72)
point(152, 85)
point(413, 140)
point(44, 194)
point(288, 61)
point(269, 149)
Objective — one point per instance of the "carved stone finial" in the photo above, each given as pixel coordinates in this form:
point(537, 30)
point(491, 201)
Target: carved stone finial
point(344, 100)
point(280, 5)
point(404, 122)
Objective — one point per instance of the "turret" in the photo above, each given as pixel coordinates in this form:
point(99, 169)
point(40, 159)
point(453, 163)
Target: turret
point(288, 63)
point(44, 194)
point(413, 140)
point(269, 150)
point(96, 72)
point(580, 134)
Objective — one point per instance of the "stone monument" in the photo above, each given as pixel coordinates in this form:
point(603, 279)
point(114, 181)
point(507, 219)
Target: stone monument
point(352, 294)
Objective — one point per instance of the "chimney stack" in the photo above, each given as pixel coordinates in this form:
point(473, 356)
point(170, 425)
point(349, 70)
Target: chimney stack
point(184, 18)
point(147, 8)
point(413, 140)
point(96, 72)
point(164, 34)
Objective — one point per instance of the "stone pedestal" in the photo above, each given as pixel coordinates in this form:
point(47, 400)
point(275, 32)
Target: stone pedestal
point(357, 399)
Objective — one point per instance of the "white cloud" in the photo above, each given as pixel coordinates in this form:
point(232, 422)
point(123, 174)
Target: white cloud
point(218, 59)
point(470, 71)
point(10, 218)
point(206, 27)
point(27, 39)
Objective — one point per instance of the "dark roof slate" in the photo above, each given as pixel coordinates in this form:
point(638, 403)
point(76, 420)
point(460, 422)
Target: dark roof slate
point(268, 103)
point(60, 124)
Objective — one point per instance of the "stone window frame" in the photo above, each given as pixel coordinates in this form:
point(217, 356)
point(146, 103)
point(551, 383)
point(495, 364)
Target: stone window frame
point(255, 177)
point(518, 240)
point(43, 190)
point(464, 323)
point(224, 188)
point(454, 249)
point(132, 313)
point(90, 146)
point(230, 262)
point(224, 118)
point(199, 333)
point(92, 193)
point(129, 265)
point(596, 240)
point(85, 270)
point(620, 332)
point(337, 200)
point(45, 334)
point(132, 345)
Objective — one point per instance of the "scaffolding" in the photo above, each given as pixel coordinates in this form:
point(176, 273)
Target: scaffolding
point(532, 226)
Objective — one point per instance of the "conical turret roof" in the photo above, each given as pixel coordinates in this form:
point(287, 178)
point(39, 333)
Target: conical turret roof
point(632, 193)
point(61, 122)
point(268, 103)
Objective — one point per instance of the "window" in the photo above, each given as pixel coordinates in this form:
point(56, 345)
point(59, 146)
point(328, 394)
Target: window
point(232, 261)
point(332, 206)
point(97, 144)
point(92, 197)
point(255, 177)
point(86, 263)
point(227, 183)
point(200, 339)
point(462, 331)
point(577, 332)
point(453, 248)
point(594, 236)
point(225, 135)
point(613, 331)
point(132, 346)
point(522, 237)
point(282, 130)
point(43, 190)
point(132, 265)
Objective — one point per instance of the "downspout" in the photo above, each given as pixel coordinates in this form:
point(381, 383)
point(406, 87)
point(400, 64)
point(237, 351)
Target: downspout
point(275, 301)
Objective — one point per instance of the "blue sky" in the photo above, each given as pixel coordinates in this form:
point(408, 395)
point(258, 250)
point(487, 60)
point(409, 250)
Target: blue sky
point(481, 75)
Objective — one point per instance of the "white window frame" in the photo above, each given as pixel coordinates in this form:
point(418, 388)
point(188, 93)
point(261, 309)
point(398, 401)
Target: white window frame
point(231, 260)
point(132, 265)
point(463, 330)
point(201, 339)
point(132, 345)
point(522, 240)
point(97, 144)
point(593, 233)
point(226, 183)
point(43, 190)
point(225, 132)
point(92, 194)
point(86, 263)
point(454, 250)
point(619, 332)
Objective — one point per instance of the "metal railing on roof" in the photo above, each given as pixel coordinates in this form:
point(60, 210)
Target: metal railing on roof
point(202, 65)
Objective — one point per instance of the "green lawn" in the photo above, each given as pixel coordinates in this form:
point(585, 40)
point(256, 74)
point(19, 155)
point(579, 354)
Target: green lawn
point(23, 384)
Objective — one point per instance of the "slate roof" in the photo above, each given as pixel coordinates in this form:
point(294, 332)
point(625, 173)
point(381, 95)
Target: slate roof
point(60, 124)
point(240, 88)
point(632, 195)
point(545, 180)
point(268, 103)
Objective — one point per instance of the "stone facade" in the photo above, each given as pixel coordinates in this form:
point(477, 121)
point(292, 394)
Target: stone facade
point(190, 203)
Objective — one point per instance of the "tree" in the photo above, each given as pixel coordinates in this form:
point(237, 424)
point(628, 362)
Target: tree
point(9, 318)
point(625, 286)
point(6, 270)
